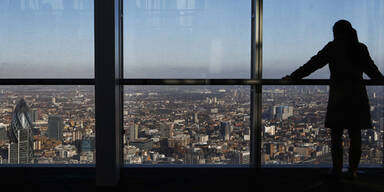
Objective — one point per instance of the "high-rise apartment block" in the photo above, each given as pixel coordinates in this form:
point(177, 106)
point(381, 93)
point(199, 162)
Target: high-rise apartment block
point(55, 127)
point(281, 112)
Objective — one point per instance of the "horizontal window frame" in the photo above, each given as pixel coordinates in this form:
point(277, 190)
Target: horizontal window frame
point(47, 81)
point(180, 82)
point(236, 82)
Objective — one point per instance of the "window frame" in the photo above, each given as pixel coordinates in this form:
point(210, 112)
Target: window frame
point(109, 49)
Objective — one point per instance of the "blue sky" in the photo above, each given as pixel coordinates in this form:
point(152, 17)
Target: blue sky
point(179, 38)
point(296, 30)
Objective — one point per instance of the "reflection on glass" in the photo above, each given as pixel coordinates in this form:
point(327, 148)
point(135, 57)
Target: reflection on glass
point(46, 39)
point(186, 124)
point(187, 38)
point(47, 125)
point(289, 42)
point(294, 133)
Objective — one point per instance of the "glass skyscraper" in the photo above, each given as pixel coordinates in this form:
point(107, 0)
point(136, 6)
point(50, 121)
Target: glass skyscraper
point(20, 149)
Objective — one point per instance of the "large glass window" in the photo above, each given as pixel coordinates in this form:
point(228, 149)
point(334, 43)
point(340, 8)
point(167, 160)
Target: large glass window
point(372, 139)
point(186, 124)
point(179, 39)
point(187, 39)
point(293, 117)
point(47, 125)
point(296, 30)
point(46, 39)
point(293, 129)
point(43, 123)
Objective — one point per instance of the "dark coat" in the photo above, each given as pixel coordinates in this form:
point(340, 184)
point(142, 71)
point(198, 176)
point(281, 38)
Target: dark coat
point(348, 105)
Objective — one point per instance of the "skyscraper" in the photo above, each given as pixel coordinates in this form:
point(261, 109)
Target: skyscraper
point(281, 112)
point(3, 134)
point(35, 115)
point(196, 117)
point(20, 149)
point(225, 130)
point(55, 127)
point(134, 132)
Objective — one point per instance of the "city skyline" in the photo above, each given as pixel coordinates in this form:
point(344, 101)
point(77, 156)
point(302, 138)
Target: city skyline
point(188, 124)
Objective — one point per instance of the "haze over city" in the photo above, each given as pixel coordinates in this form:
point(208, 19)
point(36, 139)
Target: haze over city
point(203, 38)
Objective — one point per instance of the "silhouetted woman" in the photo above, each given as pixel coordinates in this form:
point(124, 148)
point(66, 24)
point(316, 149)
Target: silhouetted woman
point(348, 105)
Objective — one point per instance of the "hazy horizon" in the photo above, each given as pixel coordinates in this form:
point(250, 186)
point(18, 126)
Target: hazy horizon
point(179, 38)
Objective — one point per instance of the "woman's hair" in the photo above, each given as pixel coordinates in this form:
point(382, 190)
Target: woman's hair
point(344, 33)
point(343, 30)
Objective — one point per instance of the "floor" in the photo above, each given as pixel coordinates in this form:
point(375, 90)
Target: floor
point(192, 179)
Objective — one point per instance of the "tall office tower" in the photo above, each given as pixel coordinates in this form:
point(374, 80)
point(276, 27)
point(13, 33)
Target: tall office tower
point(196, 117)
point(225, 130)
point(282, 112)
point(55, 127)
point(35, 115)
point(3, 134)
point(20, 149)
point(133, 132)
point(166, 129)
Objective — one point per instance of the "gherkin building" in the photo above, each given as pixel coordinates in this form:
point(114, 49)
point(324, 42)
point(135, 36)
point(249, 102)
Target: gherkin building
point(20, 149)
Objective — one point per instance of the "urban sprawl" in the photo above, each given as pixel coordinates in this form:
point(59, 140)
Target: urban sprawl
point(177, 125)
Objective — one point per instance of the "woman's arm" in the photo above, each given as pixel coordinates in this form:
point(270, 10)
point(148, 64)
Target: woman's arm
point(316, 62)
point(369, 66)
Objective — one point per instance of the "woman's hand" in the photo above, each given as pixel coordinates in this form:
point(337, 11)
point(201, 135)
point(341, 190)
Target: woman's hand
point(288, 77)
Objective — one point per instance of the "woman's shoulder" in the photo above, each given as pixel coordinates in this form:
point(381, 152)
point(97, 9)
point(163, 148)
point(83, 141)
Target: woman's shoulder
point(330, 45)
point(363, 47)
point(335, 44)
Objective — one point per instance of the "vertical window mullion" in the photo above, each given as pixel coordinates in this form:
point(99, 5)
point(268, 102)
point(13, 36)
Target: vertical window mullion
point(108, 91)
point(259, 45)
point(256, 90)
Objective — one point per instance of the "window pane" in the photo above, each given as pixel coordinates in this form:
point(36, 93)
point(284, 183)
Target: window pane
point(296, 30)
point(187, 38)
point(373, 139)
point(294, 133)
point(47, 125)
point(46, 39)
point(186, 124)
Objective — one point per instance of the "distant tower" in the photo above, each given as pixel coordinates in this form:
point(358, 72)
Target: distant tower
point(225, 130)
point(35, 115)
point(282, 112)
point(20, 149)
point(196, 117)
point(133, 132)
point(55, 127)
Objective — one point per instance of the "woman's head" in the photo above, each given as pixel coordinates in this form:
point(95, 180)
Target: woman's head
point(343, 30)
